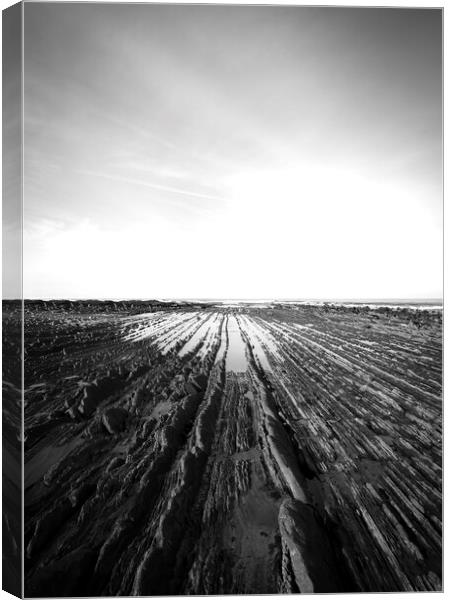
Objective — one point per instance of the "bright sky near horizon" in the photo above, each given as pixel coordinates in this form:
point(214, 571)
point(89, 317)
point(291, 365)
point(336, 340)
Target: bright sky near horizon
point(232, 152)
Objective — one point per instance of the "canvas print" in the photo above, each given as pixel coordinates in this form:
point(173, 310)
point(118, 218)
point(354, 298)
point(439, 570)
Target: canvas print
point(232, 282)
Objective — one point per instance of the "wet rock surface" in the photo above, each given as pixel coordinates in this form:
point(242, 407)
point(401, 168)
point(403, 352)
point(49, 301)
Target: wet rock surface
point(11, 447)
point(186, 449)
point(114, 420)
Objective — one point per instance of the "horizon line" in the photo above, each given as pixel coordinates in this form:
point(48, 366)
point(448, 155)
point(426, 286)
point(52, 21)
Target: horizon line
point(225, 299)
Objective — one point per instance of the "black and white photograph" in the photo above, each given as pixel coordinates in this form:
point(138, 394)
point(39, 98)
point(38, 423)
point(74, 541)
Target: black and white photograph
point(232, 277)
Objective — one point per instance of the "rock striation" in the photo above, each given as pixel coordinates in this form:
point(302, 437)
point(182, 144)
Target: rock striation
point(186, 449)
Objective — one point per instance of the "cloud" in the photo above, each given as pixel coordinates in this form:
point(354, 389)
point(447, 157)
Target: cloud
point(150, 185)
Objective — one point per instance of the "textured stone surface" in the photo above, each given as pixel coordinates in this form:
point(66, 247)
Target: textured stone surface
point(313, 465)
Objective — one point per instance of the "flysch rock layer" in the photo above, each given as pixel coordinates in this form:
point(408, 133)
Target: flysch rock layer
point(193, 449)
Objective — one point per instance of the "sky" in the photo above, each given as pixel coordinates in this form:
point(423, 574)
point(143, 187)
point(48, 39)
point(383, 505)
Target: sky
point(232, 152)
point(11, 154)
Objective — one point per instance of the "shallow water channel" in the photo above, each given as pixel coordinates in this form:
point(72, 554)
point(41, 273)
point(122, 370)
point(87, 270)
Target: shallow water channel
point(236, 355)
